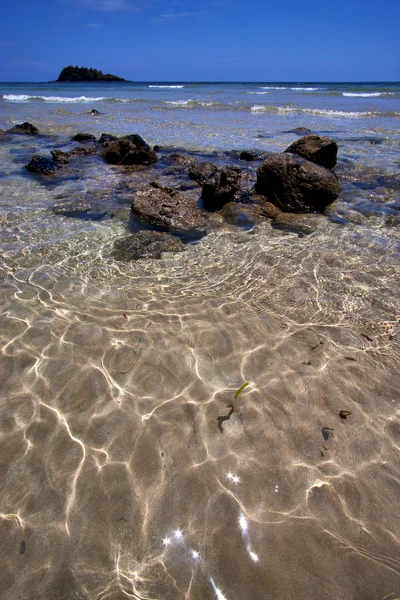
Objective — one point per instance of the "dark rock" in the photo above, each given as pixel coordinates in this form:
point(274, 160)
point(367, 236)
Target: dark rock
point(146, 244)
point(245, 215)
point(85, 74)
point(221, 190)
point(94, 112)
point(84, 208)
point(64, 157)
point(156, 148)
point(83, 151)
point(106, 138)
point(129, 150)
point(42, 165)
point(84, 137)
point(317, 149)
point(299, 131)
point(302, 224)
point(177, 159)
point(24, 128)
point(295, 184)
point(201, 171)
point(248, 155)
point(167, 208)
point(60, 157)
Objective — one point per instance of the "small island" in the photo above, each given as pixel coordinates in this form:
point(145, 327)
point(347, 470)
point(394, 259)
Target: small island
point(83, 74)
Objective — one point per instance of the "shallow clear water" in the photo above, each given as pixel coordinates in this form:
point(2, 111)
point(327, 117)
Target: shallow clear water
point(116, 481)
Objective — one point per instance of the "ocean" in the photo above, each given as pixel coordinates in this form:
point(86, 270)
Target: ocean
point(135, 462)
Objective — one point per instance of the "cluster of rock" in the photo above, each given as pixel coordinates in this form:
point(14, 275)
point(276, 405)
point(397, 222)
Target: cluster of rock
point(298, 180)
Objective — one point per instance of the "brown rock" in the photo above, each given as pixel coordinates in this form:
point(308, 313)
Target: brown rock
point(167, 207)
point(295, 184)
point(129, 150)
point(319, 150)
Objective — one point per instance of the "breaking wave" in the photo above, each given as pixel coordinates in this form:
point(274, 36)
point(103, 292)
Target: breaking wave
point(55, 99)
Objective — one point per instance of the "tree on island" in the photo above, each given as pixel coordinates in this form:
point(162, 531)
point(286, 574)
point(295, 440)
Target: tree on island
point(85, 74)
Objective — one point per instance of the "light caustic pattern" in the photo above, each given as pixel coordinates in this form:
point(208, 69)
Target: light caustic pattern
point(114, 472)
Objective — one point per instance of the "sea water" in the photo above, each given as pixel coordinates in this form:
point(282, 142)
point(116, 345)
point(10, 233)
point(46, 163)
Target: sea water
point(116, 480)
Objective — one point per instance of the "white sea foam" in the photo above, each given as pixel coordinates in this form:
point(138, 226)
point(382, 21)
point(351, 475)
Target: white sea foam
point(178, 102)
point(55, 99)
point(296, 89)
point(258, 108)
point(362, 94)
point(167, 86)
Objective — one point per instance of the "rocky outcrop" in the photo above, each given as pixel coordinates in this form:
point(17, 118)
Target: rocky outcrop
point(146, 244)
point(295, 184)
point(319, 150)
point(84, 137)
point(129, 150)
point(168, 208)
point(201, 171)
point(42, 165)
point(24, 129)
point(221, 190)
point(250, 155)
point(299, 131)
point(64, 157)
point(106, 138)
point(85, 74)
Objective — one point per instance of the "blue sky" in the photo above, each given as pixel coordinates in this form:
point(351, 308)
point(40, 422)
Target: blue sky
point(207, 40)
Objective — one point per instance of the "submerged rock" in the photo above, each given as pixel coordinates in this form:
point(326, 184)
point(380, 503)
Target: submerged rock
point(299, 131)
point(318, 149)
point(24, 128)
point(42, 165)
point(146, 244)
point(295, 184)
point(221, 190)
point(250, 155)
point(64, 157)
point(129, 150)
point(84, 137)
point(201, 171)
point(168, 208)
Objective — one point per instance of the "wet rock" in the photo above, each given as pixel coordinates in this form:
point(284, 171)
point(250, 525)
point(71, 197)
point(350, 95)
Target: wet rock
point(24, 129)
point(129, 150)
point(60, 157)
point(221, 190)
point(245, 215)
point(84, 137)
point(302, 224)
point(249, 155)
point(202, 171)
point(167, 208)
point(106, 138)
point(94, 112)
point(299, 131)
point(319, 150)
point(63, 158)
point(146, 244)
point(84, 208)
point(178, 159)
point(42, 165)
point(295, 184)
point(2, 132)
